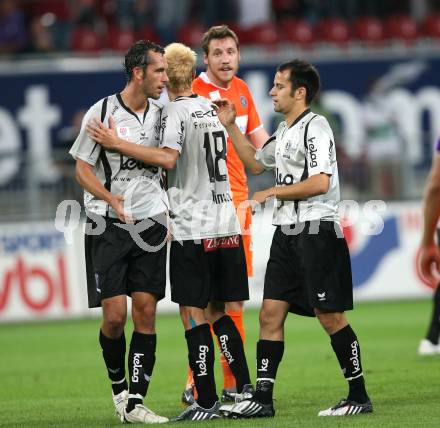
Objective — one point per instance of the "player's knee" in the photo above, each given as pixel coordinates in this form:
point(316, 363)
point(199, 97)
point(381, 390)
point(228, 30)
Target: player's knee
point(331, 322)
point(114, 323)
point(268, 319)
point(146, 311)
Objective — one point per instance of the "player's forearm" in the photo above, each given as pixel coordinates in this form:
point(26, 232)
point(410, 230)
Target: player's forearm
point(312, 186)
point(150, 155)
point(245, 150)
point(431, 212)
point(88, 180)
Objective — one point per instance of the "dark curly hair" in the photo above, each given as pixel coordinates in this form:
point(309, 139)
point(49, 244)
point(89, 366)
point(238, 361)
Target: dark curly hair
point(303, 74)
point(137, 56)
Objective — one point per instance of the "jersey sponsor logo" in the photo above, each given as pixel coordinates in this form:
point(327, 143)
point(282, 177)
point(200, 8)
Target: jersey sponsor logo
point(136, 366)
point(163, 125)
point(115, 108)
point(201, 362)
point(181, 134)
point(131, 164)
point(201, 114)
point(312, 151)
point(283, 179)
point(207, 125)
point(212, 244)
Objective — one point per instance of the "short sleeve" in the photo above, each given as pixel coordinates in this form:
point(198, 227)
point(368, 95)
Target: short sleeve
point(320, 148)
point(173, 127)
point(84, 147)
point(266, 155)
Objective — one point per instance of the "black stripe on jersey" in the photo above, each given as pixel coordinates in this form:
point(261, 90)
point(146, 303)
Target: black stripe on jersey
point(185, 97)
point(103, 156)
point(103, 113)
point(129, 110)
point(268, 141)
point(107, 170)
point(305, 173)
point(304, 113)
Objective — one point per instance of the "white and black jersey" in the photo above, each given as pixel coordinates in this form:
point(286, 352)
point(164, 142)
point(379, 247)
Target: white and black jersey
point(140, 184)
point(198, 186)
point(304, 149)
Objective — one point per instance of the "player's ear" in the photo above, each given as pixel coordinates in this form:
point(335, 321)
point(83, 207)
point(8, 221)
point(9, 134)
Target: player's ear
point(205, 59)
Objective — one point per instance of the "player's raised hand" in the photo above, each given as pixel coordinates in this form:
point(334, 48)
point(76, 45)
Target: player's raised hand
point(226, 111)
point(262, 196)
point(117, 203)
point(430, 263)
point(106, 137)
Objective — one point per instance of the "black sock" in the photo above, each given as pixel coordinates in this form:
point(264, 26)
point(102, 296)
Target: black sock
point(434, 326)
point(231, 346)
point(269, 355)
point(346, 346)
point(141, 359)
point(113, 351)
point(201, 361)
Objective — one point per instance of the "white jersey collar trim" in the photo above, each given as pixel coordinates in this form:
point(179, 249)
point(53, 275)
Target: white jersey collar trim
point(204, 76)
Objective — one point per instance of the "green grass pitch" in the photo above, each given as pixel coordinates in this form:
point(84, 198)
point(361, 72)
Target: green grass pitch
point(52, 374)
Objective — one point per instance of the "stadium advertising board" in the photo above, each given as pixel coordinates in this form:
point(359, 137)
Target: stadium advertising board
point(43, 277)
point(38, 274)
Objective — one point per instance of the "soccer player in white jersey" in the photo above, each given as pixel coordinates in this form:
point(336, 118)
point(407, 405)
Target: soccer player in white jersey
point(309, 270)
point(207, 260)
point(118, 189)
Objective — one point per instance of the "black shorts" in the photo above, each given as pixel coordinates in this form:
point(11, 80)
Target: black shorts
point(116, 265)
point(310, 270)
point(210, 269)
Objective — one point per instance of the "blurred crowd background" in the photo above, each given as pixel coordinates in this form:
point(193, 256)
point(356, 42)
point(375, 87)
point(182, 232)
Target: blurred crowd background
point(48, 26)
point(384, 150)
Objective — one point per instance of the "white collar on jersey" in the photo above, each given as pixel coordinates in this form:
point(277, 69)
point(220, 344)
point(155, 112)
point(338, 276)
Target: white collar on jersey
point(204, 76)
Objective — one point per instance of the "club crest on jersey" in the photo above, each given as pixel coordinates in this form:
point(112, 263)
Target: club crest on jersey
point(123, 131)
point(243, 100)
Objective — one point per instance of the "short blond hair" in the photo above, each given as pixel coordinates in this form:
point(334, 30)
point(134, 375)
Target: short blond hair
point(181, 66)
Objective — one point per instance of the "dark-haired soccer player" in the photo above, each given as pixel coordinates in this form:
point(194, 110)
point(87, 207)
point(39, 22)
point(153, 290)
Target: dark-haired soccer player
point(207, 261)
point(308, 271)
point(120, 189)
